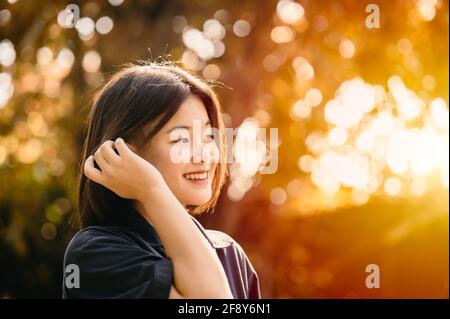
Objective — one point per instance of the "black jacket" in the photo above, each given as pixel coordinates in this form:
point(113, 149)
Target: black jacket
point(127, 260)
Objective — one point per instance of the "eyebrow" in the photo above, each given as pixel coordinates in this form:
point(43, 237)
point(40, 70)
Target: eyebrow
point(184, 127)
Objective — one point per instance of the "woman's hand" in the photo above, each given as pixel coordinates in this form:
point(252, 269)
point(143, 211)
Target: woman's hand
point(126, 174)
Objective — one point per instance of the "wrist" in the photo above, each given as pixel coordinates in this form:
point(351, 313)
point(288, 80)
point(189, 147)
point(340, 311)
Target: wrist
point(152, 190)
point(151, 182)
point(152, 199)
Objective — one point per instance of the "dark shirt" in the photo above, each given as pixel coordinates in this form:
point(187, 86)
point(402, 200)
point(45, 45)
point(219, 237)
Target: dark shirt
point(127, 260)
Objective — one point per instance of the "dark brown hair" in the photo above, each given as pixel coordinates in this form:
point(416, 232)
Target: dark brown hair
point(134, 97)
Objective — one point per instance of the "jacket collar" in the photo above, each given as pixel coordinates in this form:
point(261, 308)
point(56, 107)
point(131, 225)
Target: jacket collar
point(202, 230)
point(135, 222)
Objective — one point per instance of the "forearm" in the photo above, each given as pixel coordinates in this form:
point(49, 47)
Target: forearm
point(198, 272)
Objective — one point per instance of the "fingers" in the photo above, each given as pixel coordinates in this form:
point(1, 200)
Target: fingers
point(122, 147)
point(101, 160)
point(108, 152)
point(104, 157)
point(91, 171)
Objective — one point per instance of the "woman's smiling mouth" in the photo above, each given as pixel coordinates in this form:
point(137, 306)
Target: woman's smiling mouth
point(197, 178)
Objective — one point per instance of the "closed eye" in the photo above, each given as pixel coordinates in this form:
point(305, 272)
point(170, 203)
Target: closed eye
point(181, 140)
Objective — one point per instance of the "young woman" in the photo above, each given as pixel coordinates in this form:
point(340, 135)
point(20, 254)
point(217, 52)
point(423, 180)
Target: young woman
point(138, 236)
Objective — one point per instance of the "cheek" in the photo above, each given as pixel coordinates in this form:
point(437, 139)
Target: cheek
point(160, 158)
point(173, 176)
point(171, 172)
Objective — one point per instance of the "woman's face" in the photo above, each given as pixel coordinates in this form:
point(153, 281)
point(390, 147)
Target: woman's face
point(183, 153)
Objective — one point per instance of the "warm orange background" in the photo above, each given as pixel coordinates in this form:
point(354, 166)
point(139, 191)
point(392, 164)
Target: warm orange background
point(362, 119)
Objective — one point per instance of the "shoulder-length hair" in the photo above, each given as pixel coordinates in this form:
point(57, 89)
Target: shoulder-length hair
point(134, 97)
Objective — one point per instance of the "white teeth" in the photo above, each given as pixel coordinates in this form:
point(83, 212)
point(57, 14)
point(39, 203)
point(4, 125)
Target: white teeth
point(196, 176)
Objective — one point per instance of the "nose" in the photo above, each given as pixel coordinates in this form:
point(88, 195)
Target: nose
point(197, 153)
point(203, 152)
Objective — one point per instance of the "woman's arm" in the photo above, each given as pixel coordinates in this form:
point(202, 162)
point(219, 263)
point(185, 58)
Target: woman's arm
point(198, 272)
point(174, 294)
